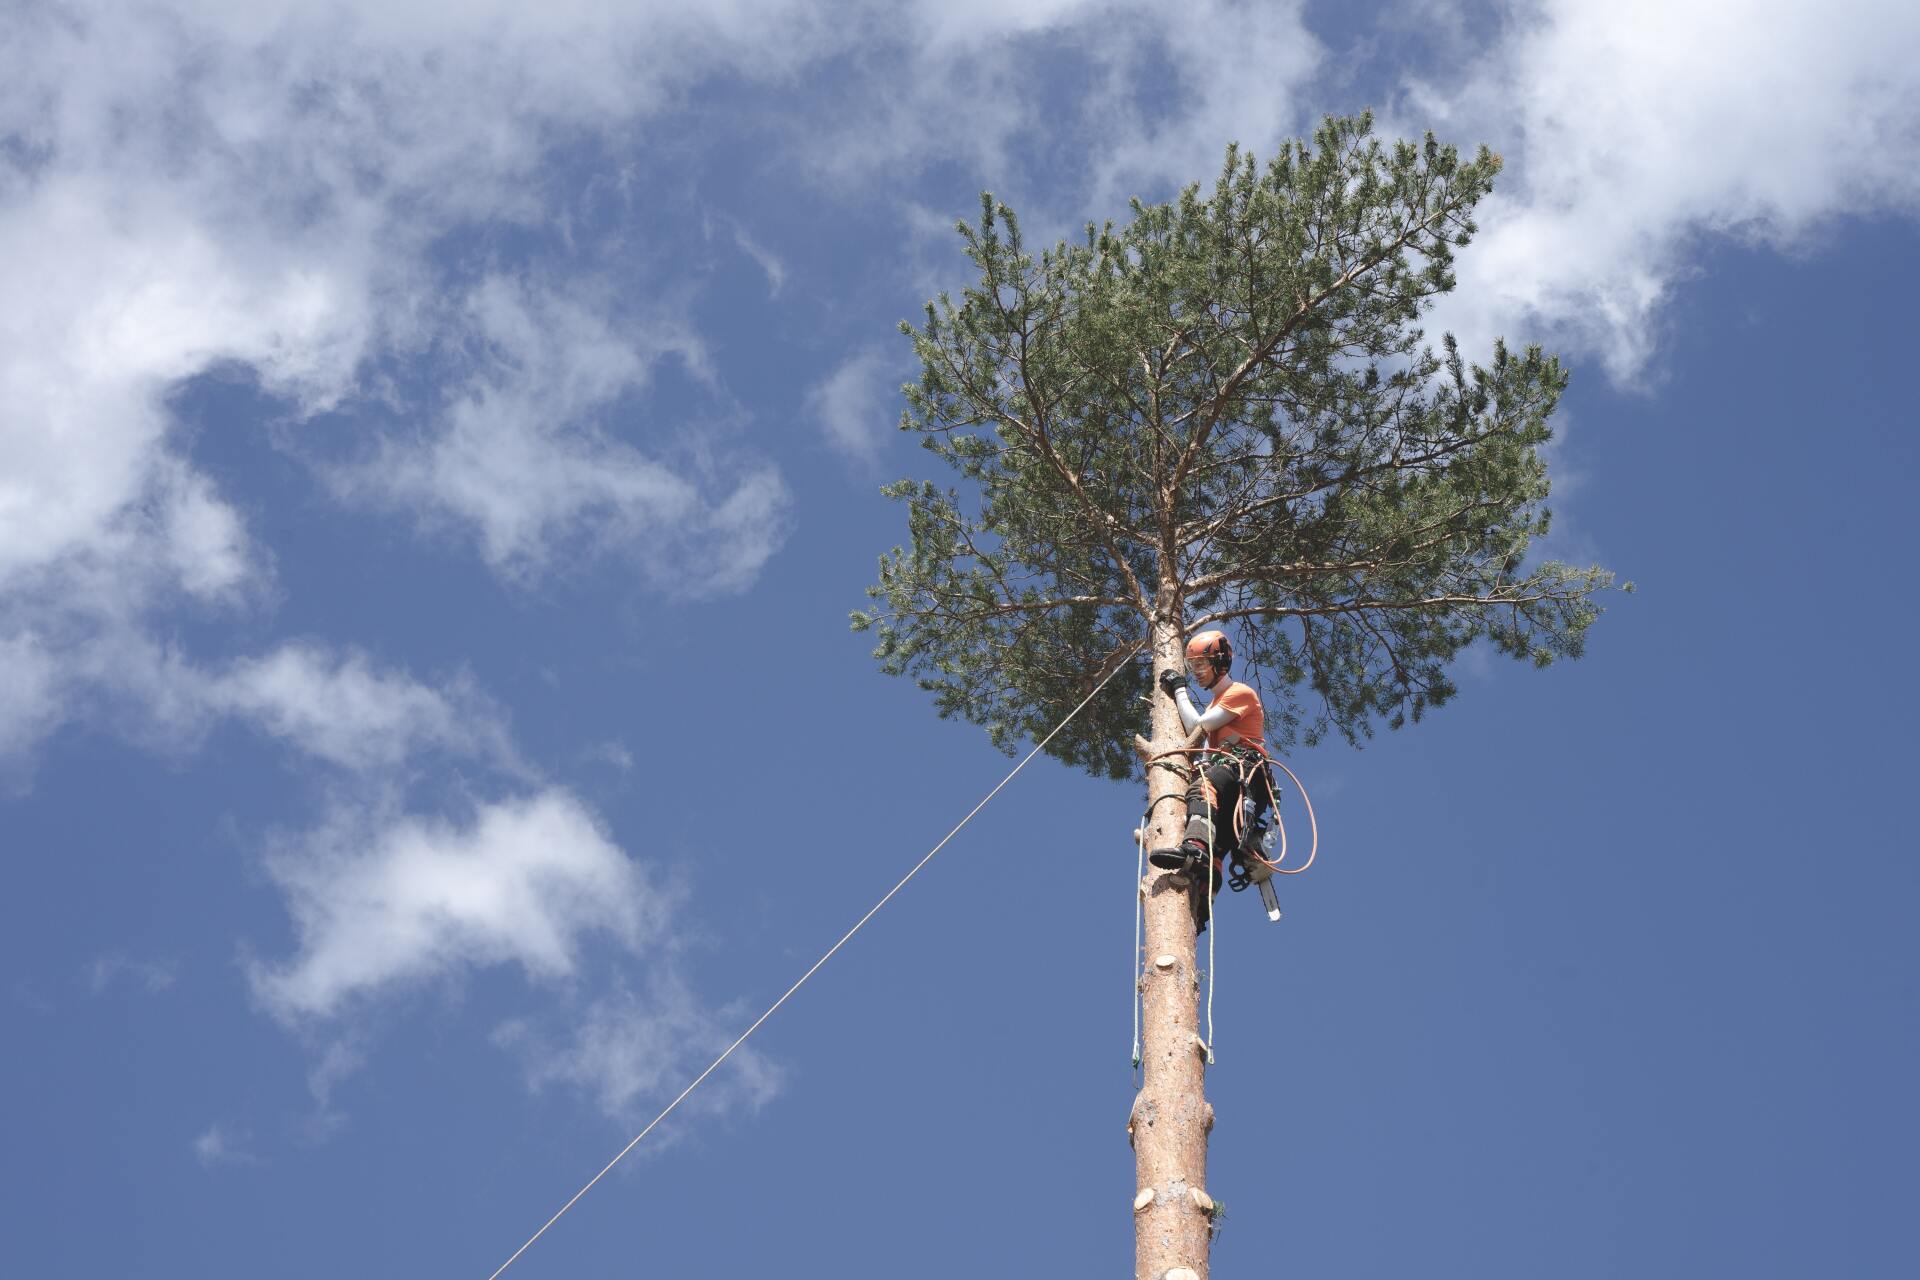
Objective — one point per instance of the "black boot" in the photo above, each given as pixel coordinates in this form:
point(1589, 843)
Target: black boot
point(1190, 856)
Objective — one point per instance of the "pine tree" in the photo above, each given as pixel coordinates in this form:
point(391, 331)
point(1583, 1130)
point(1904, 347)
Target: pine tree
point(1222, 412)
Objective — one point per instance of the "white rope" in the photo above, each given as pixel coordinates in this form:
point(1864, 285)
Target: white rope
point(728, 1052)
point(1139, 910)
point(1213, 925)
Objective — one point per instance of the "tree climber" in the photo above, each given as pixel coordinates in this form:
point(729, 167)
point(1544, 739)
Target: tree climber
point(1235, 725)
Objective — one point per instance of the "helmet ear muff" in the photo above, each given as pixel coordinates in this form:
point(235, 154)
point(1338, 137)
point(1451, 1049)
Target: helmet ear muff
point(1212, 648)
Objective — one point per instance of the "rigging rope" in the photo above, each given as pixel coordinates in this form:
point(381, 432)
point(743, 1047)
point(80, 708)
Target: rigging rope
point(1119, 666)
point(1313, 822)
point(1206, 890)
point(1139, 912)
point(1139, 953)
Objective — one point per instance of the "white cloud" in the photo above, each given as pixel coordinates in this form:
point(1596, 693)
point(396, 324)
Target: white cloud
point(612, 752)
point(633, 1050)
point(195, 184)
point(344, 710)
point(207, 182)
point(220, 1145)
point(335, 706)
point(763, 257)
point(387, 906)
point(527, 462)
point(857, 403)
point(381, 907)
point(1066, 108)
point(29, 694)
point(206, 546)
point(127, 294)
point(527, 488)
point(726, 550)
point(1238, 75)
point(1638, 132)
point(102, 519)
point(1635, 134)
point(343, 1055)
point(153, 976)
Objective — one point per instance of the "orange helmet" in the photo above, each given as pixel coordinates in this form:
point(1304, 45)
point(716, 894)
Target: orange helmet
point(1212, 648)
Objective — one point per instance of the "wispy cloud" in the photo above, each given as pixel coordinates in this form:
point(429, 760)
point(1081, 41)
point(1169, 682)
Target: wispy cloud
point(763, 257)
point(338, 706)
point(339, 1055)
point(30, 695)
point(388, 908)
point(1068, 107)
point(857, 403)
point(154, 976)
point(636, 1049)
point(1240, 73)
point(342, 708)
point(221, 1145)
point(1638, 134)
point(278, 209)
point(528, 463)
point(383, 905)
point(612, 752)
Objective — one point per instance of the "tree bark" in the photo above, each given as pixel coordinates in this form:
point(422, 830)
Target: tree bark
point(1171, 1119)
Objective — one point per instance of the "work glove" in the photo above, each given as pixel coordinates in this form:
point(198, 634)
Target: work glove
point(1171, 683)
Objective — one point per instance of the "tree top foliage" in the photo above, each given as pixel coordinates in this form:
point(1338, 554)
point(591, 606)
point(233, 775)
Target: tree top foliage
point(1224, 412)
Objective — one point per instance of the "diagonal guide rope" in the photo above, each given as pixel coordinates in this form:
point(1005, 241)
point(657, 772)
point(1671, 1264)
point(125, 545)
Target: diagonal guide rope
point(728, 1052)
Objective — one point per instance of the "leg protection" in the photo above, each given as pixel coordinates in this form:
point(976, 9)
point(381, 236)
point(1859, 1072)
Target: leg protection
point(1213, 805)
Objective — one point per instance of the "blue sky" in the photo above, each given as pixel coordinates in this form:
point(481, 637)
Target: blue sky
point(437, 458)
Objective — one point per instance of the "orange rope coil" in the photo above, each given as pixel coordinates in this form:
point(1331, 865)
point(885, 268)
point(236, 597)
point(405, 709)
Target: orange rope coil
point(1280, 822)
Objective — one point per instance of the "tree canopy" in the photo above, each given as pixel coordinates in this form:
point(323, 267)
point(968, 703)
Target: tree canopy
point(1225, 411)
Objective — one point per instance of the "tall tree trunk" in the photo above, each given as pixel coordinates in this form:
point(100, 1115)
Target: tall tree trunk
point(1171, 1117)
